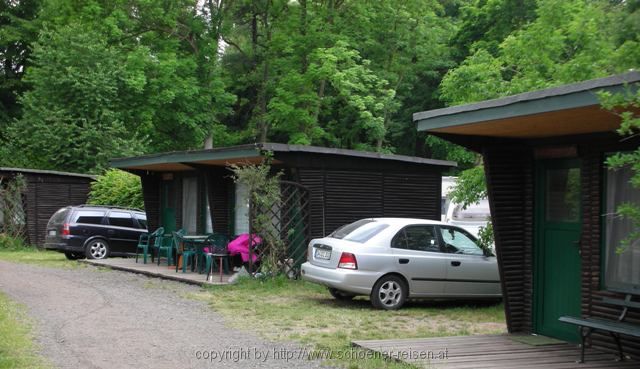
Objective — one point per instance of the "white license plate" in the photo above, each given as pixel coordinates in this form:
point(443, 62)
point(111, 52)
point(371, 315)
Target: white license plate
point(323, 254)
point(52, 233)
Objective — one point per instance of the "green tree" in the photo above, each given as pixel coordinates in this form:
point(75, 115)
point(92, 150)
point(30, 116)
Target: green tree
point(569, 41)
point(118, 188)
point(18, 29)
point(386, 73)
point(486, 23)
point(119, 78)
point(74, 115)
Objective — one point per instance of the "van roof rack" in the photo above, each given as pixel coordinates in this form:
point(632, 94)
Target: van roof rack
point(109, 207)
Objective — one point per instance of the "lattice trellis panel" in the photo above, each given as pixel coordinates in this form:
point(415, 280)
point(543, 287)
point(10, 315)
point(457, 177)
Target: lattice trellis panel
point(289, 228)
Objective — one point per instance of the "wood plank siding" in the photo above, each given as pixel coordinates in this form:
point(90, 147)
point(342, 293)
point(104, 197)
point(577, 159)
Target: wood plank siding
point(510, 196)
point(46, 193)
point(220, 192)
point(151, 195)
point(339, 197)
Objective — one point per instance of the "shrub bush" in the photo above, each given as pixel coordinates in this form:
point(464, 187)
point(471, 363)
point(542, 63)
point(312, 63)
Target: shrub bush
point(118, 188)
point(8, 242)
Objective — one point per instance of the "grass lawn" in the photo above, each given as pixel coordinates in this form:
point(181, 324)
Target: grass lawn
point(303, 312)
point(38, 257)
point(17, 349)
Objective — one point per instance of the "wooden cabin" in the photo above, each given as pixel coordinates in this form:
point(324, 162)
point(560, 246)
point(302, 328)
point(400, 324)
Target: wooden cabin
point(553, 200)
point(46, 192)
point(194, 190)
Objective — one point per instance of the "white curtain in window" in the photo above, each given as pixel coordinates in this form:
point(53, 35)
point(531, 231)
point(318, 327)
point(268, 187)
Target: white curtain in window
point(241, 213)
point(622, 269)
point(208, 225)
point(190, 204)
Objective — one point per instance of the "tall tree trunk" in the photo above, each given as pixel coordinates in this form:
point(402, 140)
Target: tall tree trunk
point(303, 32)
point(263, 126)
point(323, 83)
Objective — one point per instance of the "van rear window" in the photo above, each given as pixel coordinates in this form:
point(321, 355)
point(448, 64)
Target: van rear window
point(89, 216)
point(58, 217)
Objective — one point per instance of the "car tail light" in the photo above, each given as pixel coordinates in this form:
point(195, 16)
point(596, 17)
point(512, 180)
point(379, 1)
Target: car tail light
point(65, 229)
point(348, 261)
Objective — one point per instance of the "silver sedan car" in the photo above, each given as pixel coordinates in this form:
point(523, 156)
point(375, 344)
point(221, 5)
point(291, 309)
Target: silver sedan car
point(393, 259)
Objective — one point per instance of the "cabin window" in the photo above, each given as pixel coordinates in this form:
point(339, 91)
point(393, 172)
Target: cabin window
point(190, 204)
point(241, 211)
point(208, 223)
point(622, 269)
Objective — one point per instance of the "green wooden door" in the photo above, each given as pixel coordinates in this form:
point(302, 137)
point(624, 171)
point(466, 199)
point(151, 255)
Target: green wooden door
point(557, 248)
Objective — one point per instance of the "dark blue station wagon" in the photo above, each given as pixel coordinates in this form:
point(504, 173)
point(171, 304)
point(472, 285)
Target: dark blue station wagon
point(95, 232)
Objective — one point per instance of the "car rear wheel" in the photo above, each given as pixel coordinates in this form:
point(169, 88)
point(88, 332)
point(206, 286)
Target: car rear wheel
point(340, 295)
point(97, 249)
point(73, 255)
point(389, 293)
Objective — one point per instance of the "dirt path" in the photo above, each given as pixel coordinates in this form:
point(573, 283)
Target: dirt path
point(91, 318)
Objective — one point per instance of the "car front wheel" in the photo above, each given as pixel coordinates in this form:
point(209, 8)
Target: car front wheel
point(97, 249)
point(339, 295)
point(389, 293)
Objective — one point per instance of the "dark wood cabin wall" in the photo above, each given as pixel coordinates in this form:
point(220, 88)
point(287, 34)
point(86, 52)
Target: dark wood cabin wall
point(508, 171)
point(151, 187)
point(45, 195)
point(219, 196)
point(413, 195)
point(177, 196)
point(313, 180)
point(338, 197)
point(529, 190)
point(350, 196)
point(30, 207)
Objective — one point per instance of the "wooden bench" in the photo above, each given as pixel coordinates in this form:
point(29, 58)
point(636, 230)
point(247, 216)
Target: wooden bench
point(614, 327)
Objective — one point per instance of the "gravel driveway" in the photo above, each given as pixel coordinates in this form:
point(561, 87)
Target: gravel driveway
point(94, 318)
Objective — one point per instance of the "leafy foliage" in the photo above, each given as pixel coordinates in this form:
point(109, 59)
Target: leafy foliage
point(8, 242)
point(85, 81)
point(73, 118)
point(486, 238)
point(569, 41)
point(13, 227)
point(118, 188)
point(470, 187)
point(115, 79)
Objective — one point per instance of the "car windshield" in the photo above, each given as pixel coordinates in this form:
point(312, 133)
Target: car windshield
point(360, 231)
point(458, 241)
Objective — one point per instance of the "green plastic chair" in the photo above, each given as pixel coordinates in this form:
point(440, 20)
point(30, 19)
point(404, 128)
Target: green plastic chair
point(144, 243)
point(187, 251)
point(164, 245)
point(217, 244)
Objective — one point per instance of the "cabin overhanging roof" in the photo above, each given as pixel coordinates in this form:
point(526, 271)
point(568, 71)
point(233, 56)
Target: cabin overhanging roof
point(189, 160)
point(559, 111)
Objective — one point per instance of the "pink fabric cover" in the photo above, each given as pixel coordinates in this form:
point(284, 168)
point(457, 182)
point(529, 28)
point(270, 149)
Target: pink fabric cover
point(240, 245)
